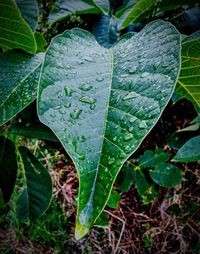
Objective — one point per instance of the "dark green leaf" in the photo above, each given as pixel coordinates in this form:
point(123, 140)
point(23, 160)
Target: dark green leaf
point(114, 199)
point(190, 151)
point(34, 131)
point(29, 11)
point(101, 103)
point(19, 75)
point(151, 159)
point(166, 5)
point(125, 177)
point(105, 31)
point(167, 175)
point(145, 190)
point(41, 42)
point(37, 193)
point(133, 13)
point(8, 167)
point(15, 32)
point(63, 8)
point(188, 84)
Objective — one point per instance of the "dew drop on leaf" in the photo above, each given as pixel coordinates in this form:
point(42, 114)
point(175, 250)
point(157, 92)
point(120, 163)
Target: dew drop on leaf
point(67, 105)
point(87, 100)
point(142, 125)
point(85, 87)
point(111, 161)
point(68, 91)
point(132, 70)
point(76, 113)
point(128, 136)
point(81, 138)
point(132, 119)
point(99, 79)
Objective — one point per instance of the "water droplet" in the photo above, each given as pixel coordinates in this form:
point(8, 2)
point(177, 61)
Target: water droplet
point(80, 62)
point(127, 104)
point(130, 96)
point(88, 59)
point(130, 128)
point(81, 139)
point(132, 70)
point(111, 161)
point(99, 79)
point(115, 138)
point(92, 106)
point(87, 100)
point(57, 107)
point(132, 119)
point(67, 105)
point(76, 113)
point(144, 74)
point(128, 136)
point(85, 87)
point(142, 125)
point(81, 156)
point(68, 91)
point(106, 170)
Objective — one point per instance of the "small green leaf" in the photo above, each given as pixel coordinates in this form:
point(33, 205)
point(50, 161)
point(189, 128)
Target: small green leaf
point(101, 103)
point(167, 175)
point(15, 32)
point(125, 178)
point(114, 199)
point(188, 85)
point(151, 159)
point(29, 11)
point(19, 76)
point(37, 193)
point(190, 151)
point(8, 167)
point(103, 220)
point(146, 190)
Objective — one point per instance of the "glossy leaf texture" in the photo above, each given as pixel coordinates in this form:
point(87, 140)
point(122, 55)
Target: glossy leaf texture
point(167, 175)
point(188, 85)
point(101, 103)
point(190, 151)
point(19, 75)
point(104, 5)
point(8, 167)
point(29, 11)
point(134, 12)
point(15, 32)
point(63, 8)
point(105, 31)
point(36, 196)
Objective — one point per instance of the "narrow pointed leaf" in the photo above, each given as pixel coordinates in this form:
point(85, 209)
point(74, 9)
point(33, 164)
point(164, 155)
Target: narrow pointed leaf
point(114, 199)
point(105, 31)
point(101, 103)
point(29, 11)
point(132, 14)
point(104, 5)
point(190, 151)
point(103, 220)
point(8, 167)
point(188, 85)
point(19, 75)
point(37, 193)
point(63, 8)
point(15, 32)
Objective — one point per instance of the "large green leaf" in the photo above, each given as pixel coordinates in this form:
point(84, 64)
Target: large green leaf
point(37, 193)
point(101, 103)
point(104, 5)
point(63, 8)
point(15, 32)
point(188, 85)
point(132, 13)
point(8, 167)
point(19, 75)
point(29, 11)
point(105, 31)
point(190, 151)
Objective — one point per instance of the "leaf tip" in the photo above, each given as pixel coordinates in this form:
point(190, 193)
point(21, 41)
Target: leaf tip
point(80, 231)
